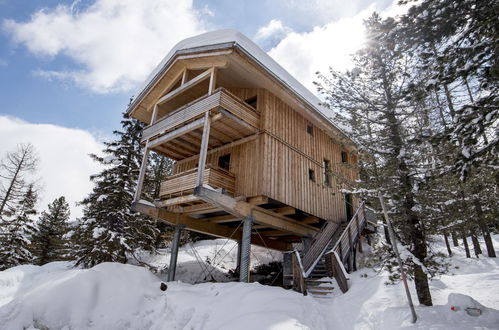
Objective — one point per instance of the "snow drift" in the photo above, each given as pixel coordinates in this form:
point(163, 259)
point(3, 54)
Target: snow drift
point(116, 296)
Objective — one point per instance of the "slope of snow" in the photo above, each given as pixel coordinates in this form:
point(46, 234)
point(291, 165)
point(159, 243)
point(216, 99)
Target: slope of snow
point(116, 296)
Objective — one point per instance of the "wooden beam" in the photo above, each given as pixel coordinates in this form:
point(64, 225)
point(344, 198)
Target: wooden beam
point(194, 81)
point(203, 149)
point(178, 132)
point(205, 227)
point(237, 120)
point(309, 219)
point(287, 210)
point(177, 200)
point(222, 219)
point(258, 200)
point(213, 80)
point(225, 146)
point(142, 172)
point(265, 217)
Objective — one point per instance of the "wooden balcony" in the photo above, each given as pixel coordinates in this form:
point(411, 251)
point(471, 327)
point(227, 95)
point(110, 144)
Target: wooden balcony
point(177, 189)
point(178, 135)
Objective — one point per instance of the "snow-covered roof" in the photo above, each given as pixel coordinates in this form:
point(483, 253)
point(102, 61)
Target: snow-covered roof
point(226, 38)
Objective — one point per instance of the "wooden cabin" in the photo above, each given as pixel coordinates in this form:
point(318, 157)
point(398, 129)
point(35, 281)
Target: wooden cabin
point(256, 158)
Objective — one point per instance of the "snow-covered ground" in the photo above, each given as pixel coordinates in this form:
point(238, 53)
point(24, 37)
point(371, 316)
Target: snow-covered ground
point(207, 260)
point(116, 296)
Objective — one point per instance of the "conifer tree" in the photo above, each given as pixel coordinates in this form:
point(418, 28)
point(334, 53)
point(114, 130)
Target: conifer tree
point(374, 103)
point(15, 235)
point(13, 169)
point(110, 230)
point(49, 243)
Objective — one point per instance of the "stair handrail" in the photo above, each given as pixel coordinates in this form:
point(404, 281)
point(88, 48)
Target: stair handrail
point(299, 283)
point(317, 255)
point(350, 225)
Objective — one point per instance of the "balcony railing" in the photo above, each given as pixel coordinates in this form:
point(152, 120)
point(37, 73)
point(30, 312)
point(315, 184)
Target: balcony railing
point(221, 98)
point(185, 182)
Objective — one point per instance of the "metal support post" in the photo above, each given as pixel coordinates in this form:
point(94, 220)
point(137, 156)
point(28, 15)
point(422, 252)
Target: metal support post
point(244, 263)
point(174, 252)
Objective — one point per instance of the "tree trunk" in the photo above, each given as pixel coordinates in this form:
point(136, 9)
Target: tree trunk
point(446, 238)
point(476, 245)
point(483, 227)
point(455, 242)
point(466, 247)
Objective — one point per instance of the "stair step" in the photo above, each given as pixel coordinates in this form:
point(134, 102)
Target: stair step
point(319, 293)
point(322, 288)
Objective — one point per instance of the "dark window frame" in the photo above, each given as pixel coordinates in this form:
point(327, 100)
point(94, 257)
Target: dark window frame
point(311, 175)
point(224, 162)
point(327, 172)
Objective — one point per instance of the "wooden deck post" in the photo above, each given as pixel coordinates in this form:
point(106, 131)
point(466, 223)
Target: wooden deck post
point(174, 252)
point(245, 249)
point(142, 173)
point(204, 148)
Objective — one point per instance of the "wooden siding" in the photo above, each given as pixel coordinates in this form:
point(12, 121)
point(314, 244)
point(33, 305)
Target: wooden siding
point(245, 163)
point(186, 181)
point(290, 152)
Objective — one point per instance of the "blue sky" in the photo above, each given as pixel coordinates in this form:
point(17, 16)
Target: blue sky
point(35, 98)
point(69, 68)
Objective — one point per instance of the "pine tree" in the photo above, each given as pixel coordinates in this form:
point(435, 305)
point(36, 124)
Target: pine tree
point(15, 235)
point(109, 229)
point(459, 40)
point(373, 100)
point(49, 243)
point(13, 169)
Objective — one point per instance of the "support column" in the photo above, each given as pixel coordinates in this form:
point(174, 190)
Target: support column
point(142, 173)
point(174, 252)
point(245, 249)
point(204, 149)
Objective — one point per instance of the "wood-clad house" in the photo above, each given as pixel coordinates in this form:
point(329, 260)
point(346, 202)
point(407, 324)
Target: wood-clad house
point(257, 160)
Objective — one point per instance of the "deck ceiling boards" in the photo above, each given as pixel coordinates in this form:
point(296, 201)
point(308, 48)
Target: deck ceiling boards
point(223, 131)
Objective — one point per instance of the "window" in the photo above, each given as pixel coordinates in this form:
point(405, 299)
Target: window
point(311, 175)
point(327, 172)
point(310, 129)
point(252, 102)
point(224, 162)
point(344, 157)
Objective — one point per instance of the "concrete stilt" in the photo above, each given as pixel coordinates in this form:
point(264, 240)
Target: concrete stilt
point(244, 263)
point(174, 252)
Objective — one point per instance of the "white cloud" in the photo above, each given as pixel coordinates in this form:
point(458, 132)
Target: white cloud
point(116, 43)
point(65, 165)
point(329, 45)
point(275, 27)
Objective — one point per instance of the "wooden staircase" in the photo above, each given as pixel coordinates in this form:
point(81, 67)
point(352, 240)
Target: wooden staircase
point(330, 254)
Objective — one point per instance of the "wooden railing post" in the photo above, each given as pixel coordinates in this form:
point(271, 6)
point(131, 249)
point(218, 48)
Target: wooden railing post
point(142, 173)
point(204, 148)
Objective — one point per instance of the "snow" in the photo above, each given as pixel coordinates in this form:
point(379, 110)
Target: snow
point(207, 260)
point(225, 37)
point(117, 296)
